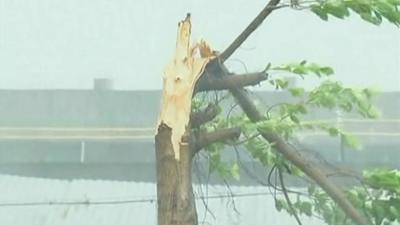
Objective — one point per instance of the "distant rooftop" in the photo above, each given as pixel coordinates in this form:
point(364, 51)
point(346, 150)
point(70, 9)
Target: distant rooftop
point(115, 108)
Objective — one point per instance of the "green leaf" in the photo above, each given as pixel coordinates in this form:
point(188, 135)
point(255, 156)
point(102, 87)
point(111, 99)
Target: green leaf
point(372, 11)
point(294, 118)
point(388, 180)
point(299, 70)
point(326, 70)
point(378, 17)
point(296, 91)
point(279, 204)
point(333, 131)
point(351, 141)
point(311, 189)
point(281, 83)
point(304, 68)
point(306, 208)
point(370, 18)
point(379, 211)
point(394, 212)
point(336, 9)
point(317, 9)
point(235, 171)
point(261, 150)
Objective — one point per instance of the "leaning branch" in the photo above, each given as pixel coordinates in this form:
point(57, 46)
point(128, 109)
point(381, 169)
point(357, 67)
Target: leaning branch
point(289, 152)
point(271, 6)
point(294, 156)
point(209, 83)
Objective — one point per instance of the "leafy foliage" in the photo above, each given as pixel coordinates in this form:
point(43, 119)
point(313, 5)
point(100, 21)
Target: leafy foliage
point(332, 94)
point(305, 68)
point(372, 11)
point(379, 200)
point(287, 119)
point(387, 180)
point(216, 164)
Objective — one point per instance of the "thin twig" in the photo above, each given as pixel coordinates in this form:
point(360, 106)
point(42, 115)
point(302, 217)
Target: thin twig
point(204, 197)
point(285, 193)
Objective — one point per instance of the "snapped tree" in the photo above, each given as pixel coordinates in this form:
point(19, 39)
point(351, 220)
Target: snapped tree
point(186, 125)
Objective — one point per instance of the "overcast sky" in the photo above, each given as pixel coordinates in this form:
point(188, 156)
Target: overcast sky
point(66, 44)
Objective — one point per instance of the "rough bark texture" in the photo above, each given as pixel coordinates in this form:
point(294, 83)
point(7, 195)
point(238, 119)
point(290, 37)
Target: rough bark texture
point(228, 82)
point(174, 150)
point(204, 116)
point(176, 204)
point(207, 138)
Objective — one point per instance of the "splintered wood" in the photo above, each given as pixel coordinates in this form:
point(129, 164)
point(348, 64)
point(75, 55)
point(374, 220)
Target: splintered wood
point(180, 77)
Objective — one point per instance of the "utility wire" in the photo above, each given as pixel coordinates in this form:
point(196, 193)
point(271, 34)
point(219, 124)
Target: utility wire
point(118, 202)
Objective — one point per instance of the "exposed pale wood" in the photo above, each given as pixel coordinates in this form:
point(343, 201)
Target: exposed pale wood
point(176, 204)
point(180, 77)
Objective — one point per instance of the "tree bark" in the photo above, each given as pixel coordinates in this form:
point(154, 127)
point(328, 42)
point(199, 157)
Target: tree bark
point(229, 82)
point(175, 199)
point(176, 204)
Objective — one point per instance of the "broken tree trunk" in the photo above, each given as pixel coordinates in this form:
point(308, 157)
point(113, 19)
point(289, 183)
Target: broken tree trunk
point(176, 204)
point(174, 148)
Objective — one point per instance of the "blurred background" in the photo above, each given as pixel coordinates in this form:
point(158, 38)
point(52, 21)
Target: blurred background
point(80, 92)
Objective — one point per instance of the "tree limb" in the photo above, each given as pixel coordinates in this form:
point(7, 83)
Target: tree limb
point(220, 135)
point(291, 154)
point(208, 83)
point(202, 117)
point(294, 156)
point(288, 151)
point(257, 21)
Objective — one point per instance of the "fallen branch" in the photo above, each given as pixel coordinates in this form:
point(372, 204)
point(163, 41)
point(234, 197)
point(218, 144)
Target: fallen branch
point(289, 152)
point(294, 156)
point(209, 83)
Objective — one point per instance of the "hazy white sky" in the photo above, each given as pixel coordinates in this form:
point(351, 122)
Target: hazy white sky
point(66, 44)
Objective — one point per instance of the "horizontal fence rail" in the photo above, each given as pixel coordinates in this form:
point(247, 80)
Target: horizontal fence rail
point(147, 133)
point(43, 133)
